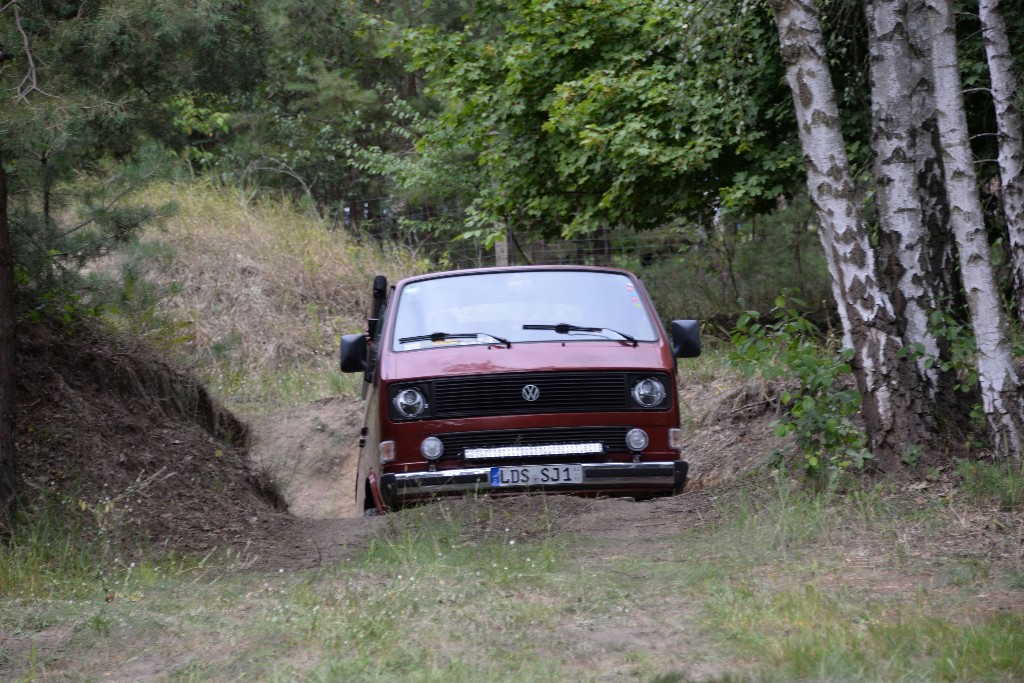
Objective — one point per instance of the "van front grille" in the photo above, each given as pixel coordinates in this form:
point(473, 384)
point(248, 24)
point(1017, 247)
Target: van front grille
point(551, 392)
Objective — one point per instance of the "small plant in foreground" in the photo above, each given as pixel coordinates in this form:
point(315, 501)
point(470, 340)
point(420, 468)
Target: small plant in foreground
point(819, 407)
point(1001, 483)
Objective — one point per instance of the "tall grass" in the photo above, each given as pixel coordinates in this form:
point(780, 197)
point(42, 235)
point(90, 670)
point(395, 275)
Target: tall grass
point(253, 292)
point(56, 550)
point(47, 549)
point(998, 483)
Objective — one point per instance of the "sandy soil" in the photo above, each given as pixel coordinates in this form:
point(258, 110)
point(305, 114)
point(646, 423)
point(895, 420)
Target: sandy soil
point(311, 453)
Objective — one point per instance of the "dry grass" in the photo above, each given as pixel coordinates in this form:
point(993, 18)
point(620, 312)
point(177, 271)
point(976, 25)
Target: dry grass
point(263, 290)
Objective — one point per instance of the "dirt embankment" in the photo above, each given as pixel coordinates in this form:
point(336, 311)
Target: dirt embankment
point(132, 445)
point(311, 452)
point(135, 450)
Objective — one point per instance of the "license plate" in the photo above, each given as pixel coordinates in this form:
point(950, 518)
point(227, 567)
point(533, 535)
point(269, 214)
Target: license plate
point(536, 475)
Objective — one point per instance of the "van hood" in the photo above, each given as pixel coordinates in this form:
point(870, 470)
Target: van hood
point(454, 360)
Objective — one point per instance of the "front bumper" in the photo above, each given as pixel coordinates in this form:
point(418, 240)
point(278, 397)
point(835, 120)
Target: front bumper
point(652, 478)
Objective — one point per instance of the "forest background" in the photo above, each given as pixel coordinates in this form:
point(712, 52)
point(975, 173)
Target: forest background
point(729, 152)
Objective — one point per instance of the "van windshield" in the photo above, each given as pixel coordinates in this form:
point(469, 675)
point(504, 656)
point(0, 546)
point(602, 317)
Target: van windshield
point(554, 305)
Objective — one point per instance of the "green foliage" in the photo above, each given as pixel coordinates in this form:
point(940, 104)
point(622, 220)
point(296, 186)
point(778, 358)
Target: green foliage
point(202, 124)
point(94, 95)
point(959, 360)
point(819, 406)
point(133, 303)
point(335, 95)
point(580, 115)
point(52, 250)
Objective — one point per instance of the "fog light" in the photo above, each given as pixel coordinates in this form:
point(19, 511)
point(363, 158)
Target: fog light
point(636, 439)
point(431, 448)
point(386, 449)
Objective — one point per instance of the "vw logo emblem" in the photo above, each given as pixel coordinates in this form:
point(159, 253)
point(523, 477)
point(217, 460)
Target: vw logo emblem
point(531, 392)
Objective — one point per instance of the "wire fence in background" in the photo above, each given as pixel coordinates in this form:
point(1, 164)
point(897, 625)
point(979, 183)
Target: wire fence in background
point(378, 219)
point(693, 271)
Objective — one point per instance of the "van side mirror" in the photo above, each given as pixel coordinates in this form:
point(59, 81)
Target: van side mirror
point(685, 338)
point(353, 353)
point(380, 294)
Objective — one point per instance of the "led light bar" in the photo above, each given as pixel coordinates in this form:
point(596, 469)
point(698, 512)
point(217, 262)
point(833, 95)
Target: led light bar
point(532, 451)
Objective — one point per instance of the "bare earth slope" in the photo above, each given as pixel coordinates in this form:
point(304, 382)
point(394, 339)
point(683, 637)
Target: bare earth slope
point(126, 442)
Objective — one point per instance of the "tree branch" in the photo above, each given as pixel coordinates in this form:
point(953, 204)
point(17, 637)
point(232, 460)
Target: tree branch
point(118, 197)
point(29, 83)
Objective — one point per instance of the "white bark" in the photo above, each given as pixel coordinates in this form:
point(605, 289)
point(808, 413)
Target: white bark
point(896, 71)
point(893, 416)
point(999, 381)
point(1011, 132)
point(837, 291)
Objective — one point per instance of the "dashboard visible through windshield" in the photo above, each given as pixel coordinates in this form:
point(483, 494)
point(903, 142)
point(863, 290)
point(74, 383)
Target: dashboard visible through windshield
point(520, 307)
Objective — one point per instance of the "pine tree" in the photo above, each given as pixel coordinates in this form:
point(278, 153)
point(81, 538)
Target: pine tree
point(84, 87)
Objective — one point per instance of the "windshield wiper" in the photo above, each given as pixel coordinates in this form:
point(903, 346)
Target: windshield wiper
point(441, 336)
point(566, 328)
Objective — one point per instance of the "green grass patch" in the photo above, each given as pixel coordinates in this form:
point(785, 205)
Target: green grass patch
point(778, 585)
point(256, 389)
point(1001, 484)
point(51, 554)
point(808, 633)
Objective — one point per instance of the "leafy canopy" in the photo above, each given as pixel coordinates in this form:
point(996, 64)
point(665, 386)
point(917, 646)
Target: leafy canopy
point(580, 115)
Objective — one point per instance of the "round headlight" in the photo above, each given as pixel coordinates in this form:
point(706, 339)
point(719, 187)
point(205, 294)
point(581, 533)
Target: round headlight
point(431, 448)
point(636, 439)
point(410, 402)
point(648, 392)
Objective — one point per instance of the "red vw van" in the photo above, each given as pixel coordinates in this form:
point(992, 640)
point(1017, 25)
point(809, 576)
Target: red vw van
point(503, 380)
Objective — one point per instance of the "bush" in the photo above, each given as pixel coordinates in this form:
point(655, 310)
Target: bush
point(819, 403)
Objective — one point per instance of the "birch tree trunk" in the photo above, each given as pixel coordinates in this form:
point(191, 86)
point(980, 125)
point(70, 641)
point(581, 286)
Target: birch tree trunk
point(891, 388)
point(900, 99)
point(1000, 388)
point(941, 244)
point(1011, 132)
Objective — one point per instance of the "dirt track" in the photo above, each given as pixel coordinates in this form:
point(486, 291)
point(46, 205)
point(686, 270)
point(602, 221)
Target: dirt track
point(310, 452)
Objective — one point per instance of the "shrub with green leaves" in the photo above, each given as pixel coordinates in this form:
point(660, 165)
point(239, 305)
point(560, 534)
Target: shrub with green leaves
point(819, 402)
